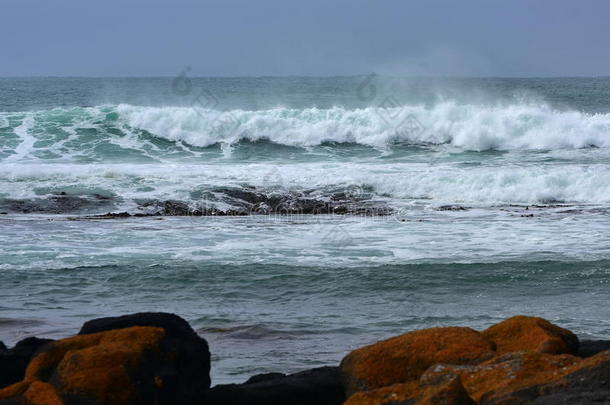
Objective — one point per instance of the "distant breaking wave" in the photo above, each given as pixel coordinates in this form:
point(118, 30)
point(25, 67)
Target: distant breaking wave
point(76, 131)
point(469, 127)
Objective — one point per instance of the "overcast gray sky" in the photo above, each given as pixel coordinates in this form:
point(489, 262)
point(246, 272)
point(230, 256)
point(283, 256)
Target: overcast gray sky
point(313, 37)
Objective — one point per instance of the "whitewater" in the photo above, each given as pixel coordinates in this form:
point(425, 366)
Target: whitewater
point(467, 127)
point(530, 153)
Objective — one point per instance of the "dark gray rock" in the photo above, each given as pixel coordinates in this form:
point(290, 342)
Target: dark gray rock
point(175, 208)
point(585, 386)
point(250, 203)
point(589, 384)
point(451, 208)
point(255, 379)
point(243, 195)
point(58, 204)
point(588, 348)
point(579, 398)
point(320, 386)
point(13, 362)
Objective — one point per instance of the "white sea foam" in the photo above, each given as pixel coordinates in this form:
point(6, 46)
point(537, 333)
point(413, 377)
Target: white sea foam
point(569, 171)
point(26, 140)
point(472, 127)
point(520, 126)
point(436, 184)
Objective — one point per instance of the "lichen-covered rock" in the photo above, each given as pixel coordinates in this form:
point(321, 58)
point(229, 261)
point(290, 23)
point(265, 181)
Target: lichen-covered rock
point(178, 332)
point(446, 390)
point(532, 377)
point(585, 382)
point(389, 395)
point(41, 393)
point(524, 333)
point(504, 374)
point(14, 361)
point(134, 365)
point(404, 358)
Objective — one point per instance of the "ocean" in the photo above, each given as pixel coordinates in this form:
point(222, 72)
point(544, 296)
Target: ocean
point(292, 219)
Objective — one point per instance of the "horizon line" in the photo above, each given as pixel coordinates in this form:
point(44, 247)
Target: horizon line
point(305, 76)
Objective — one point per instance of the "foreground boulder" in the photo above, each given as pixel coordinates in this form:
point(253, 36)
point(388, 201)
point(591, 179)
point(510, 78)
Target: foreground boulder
point(13, 362)
point(522, 360)
point(405, 358)
point(321, 386)
point(525, 333)
point(120, 364)
point(178, 333)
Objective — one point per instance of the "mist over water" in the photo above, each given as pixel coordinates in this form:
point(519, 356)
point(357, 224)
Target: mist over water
point(493, 190)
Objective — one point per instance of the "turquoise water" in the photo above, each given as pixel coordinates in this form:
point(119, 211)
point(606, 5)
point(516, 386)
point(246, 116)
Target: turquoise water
point(493, 198)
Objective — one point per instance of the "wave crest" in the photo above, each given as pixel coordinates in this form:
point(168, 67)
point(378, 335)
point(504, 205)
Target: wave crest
point(127, 132)
point(469, 127)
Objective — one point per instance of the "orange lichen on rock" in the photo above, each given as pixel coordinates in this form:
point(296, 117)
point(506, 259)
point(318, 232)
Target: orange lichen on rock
point(100, 368)
point(599, 359)
point(395, 393)
point(13, 390)
point(404, 358)
point(104, 371)
point(508, 373)
point(41, 393)
point(514, 378)
point(585, 381)
point(444, 391)
point(524, 333)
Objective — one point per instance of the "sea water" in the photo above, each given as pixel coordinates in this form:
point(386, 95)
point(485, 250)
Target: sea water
point(485, 198)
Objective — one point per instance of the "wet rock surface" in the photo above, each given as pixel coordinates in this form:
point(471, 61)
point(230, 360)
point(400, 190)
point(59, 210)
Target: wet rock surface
point(252, 201)
point(58, 204)
point(452, 208)
point(220, 201)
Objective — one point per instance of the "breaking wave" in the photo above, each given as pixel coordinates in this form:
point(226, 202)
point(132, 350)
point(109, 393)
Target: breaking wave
point(82, 131)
